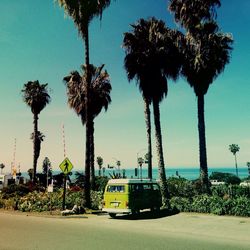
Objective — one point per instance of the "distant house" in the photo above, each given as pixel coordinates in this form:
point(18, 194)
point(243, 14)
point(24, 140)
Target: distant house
point(5, 180)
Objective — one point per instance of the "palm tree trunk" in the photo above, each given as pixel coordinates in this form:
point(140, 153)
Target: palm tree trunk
point(35, 153)
point(159, 149)
point(92, 155)
point(86, 190)
point(236, 165)
point(202, 146)
point(148, 128)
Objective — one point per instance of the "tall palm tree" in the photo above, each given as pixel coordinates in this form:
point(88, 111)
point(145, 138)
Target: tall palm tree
point(234, 148)
point(36, 96)
point(99, 98)
point(206, 51)
point(82, 12)
point(151, 58)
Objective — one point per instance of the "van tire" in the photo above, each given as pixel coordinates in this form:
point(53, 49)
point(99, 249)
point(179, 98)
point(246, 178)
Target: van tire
point(155, 209)
point(135, 212)
point(112, 215)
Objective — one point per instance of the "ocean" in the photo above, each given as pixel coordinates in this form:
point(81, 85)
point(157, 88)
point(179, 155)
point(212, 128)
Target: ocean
point(189, 173)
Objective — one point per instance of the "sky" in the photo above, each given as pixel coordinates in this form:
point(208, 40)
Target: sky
point(37, 42)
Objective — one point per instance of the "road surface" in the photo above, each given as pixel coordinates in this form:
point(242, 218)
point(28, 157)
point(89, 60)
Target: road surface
point(182, 231)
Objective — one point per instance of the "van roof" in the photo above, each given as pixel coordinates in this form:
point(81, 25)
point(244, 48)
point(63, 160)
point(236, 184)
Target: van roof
point(127, 181)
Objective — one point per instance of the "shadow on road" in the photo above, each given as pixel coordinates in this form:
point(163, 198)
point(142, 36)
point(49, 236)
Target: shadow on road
point(147, 215)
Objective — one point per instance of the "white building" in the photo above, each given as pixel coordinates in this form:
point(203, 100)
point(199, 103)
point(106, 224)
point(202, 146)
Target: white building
point(4, 180)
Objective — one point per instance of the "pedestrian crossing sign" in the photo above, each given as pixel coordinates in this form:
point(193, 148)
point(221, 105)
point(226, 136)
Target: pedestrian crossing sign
point(66, 166)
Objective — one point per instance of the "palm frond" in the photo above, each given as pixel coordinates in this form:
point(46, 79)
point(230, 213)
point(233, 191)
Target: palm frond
point(99, 91)
point(36, 96)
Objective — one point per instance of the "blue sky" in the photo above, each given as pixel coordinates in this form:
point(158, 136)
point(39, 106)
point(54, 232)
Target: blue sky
point(37, 42)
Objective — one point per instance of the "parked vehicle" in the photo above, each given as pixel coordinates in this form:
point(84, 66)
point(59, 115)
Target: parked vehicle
point(129, 196)
point(216, 182)
point(245, 184)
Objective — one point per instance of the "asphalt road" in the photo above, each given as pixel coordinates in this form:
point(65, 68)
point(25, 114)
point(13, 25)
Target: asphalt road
point(181, 231)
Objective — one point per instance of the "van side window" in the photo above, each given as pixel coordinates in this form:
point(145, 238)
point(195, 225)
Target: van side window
point(156, 187)
point(147, 187)
point(112, 189)
point(136, 187)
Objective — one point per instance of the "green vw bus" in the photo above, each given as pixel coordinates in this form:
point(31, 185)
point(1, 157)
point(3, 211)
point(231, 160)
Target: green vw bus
point(129, 196)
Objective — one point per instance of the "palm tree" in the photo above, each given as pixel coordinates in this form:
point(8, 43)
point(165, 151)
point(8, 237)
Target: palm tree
point(190, 13)
point(206, 51)
point(234, 148)
point(38, 140)
point(133, 45)
point(2, 166)
point(82, 12)
point(99, 98)
point(36, 96)
point(30, 173)
point(99, 161)
point(151, 58)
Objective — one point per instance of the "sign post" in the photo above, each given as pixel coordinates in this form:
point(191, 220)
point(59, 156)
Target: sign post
point(66, 166)
point(50, 191)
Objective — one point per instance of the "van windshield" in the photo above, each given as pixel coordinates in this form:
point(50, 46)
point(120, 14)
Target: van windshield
point(116, 188)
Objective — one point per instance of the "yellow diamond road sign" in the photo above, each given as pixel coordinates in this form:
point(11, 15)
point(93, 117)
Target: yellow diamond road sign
point(66, 166)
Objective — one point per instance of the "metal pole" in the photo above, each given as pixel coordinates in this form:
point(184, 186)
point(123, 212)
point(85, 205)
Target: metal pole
point(64, 144)
point(64, 181)
point(50, 203)
point(64, 191)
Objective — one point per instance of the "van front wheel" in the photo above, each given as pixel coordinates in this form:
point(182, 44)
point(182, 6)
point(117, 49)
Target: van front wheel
point(112, 215)
point(155, 209)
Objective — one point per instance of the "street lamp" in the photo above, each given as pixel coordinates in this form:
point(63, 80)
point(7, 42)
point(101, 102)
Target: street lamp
point(140, 160)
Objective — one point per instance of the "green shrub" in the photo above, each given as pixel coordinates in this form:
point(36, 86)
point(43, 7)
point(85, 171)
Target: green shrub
point(42, 201)
point(73, 198)
point(96, 199)
point(1, 201)
point(14, 190)
point(181, 204)
point(201, 204)
point(181, 187)
point(101, 182)
point(220, 190)
point(240, 206)
point(236, 190)
point(217, 205)
point(10, 203)
point(34, 201)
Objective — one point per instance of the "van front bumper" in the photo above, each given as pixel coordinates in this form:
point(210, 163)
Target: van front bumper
point(117, 210)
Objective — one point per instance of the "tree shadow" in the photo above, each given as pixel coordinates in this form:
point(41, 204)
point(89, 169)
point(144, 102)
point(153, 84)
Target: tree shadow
point(147, 215)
